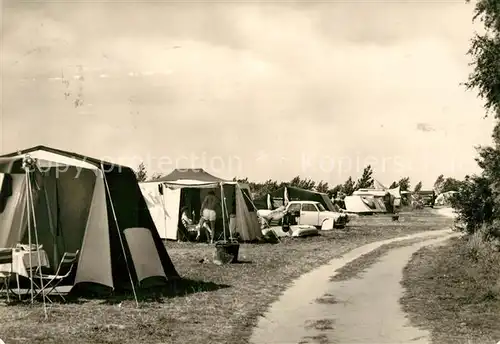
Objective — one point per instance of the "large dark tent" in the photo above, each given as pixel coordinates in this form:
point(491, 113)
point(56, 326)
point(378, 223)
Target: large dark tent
point(276, 198)
point(85, 204)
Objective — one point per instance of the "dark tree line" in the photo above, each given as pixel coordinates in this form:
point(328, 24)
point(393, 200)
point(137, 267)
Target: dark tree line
point(259, 189)
point(141, 174)
point(365, 181)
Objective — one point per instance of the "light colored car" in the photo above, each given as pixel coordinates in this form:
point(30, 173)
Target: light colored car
point(315, 214)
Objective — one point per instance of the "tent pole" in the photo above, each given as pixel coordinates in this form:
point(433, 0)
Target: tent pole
point(228, 218)
point(37, 247)
point(119, 235)
point(223, 206)
point(28, 209)
point(163, 206)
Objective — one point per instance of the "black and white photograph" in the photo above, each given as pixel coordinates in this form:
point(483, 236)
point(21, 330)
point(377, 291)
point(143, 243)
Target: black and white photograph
point(250, 172)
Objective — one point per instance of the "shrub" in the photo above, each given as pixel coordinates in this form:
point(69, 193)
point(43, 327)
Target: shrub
point(477, 244)
point(474, 204)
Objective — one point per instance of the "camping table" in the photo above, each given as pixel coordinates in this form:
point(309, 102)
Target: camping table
point(21, 263)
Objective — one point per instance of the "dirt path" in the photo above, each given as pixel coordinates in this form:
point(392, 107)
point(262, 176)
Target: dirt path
point(316, 310)
point(447, 212)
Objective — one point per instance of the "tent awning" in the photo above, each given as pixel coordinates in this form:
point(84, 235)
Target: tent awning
point(44, 159)
point(190, 174)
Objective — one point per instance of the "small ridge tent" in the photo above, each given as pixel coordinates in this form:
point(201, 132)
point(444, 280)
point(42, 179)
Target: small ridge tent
point(75, 203)
point(188, 187)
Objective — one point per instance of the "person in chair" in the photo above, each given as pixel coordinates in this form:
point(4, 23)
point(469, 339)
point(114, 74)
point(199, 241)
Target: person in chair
point(187, 224)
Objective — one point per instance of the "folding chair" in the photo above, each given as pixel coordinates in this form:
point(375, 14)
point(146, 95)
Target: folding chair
point(64, 269)
point(6, 258)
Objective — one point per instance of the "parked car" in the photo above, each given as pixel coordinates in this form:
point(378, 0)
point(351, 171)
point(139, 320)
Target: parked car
point(314, 214)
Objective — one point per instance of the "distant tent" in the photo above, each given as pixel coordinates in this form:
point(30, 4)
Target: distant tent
point(280, 197)
point(166, 196)
point(84, 204)
point(370, 201)
point(378, 185)
point(364, 205)
point(444, 199)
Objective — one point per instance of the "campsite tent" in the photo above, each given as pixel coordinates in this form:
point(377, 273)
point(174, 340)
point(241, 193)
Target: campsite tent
point(85, 204)
point(364, 205)
point(370, 201)
point(167, 195)
point(444, 199)
point(284, 194)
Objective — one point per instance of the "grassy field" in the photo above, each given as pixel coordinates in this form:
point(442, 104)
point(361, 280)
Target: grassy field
point(454, 291)
point(215, 304)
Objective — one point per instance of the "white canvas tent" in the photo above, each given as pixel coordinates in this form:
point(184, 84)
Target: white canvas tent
point(444, 199)
point(377, 200)
point(165, 198)
point(364, 204)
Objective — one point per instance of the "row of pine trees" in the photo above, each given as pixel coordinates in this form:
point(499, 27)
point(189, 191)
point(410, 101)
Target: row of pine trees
point(347, 188)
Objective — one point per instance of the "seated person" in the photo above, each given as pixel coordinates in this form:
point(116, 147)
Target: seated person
point(187, 222)
point(191, 227)
point(204, 226)
point(187, 228)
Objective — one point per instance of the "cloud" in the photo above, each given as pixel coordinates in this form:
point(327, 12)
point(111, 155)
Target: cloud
point(425, 127)
point(286, 79)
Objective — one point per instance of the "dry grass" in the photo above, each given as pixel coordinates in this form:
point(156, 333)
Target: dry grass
point(320, 325)
point(318, 339)
point(355, 268)
point(221, 309)
point(327, 299)
point(453, 290)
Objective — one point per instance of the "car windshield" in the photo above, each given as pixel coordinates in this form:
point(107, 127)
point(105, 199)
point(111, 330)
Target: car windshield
point(320, 207)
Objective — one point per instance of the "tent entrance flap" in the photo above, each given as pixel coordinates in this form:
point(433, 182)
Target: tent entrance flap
point(62, 206)
point(145, 258)
point(94, 264)
point(172, 199)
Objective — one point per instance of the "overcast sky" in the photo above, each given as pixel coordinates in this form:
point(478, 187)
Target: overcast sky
point(250, 89)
